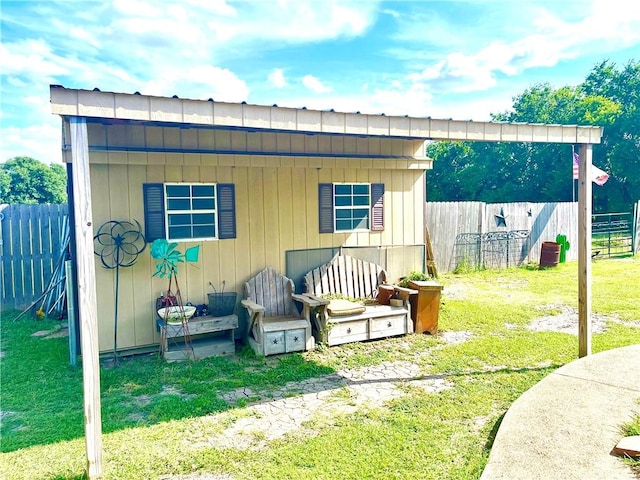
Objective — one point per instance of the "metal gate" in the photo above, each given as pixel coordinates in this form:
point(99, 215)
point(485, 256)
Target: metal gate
point(474, 251)
point(612, 234)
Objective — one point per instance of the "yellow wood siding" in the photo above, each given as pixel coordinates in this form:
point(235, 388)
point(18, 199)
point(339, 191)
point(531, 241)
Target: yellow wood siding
point(276, 211)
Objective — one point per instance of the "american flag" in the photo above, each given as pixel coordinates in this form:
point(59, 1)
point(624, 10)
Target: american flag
point(599, 177)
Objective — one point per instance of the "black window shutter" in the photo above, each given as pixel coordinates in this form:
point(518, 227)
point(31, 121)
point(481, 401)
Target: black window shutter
point(226, 210)
point(377, 207)
point(325, 205)
point(153, 197)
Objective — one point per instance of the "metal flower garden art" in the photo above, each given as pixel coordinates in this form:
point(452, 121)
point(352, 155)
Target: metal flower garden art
point(118, 244)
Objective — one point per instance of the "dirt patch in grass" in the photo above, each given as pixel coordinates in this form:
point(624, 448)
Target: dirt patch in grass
point(170, 390)
point(455, 337)
point(567, 321)
point(456, 290)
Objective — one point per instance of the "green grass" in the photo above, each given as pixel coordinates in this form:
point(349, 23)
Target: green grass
point(156, 416)
point(633, 428)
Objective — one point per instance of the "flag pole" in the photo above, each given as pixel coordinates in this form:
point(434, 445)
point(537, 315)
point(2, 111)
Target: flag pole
point(573, 181)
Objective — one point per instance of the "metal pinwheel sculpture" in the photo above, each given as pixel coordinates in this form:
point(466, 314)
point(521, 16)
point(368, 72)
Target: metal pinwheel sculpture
point(118, 244)
point(168, 257)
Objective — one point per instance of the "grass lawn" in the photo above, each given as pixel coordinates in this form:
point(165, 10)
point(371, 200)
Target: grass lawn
point(163, 419)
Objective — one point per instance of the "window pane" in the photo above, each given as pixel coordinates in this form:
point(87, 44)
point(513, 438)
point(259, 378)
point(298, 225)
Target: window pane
point(361, 200)
point(178, 190)
point(360, 213)
point(361, 189)
point(203, 218)
point(203, 191)
point(343, 213)
point(343, 201)
point(204, 231)
point(182, 204)
point(343, 225)
point(179, 219)
point(343, 189)
point(176, 233)
point(203, 204)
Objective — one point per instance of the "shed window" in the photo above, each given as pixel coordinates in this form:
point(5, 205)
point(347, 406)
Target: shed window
point(346, 207)
point(189, 211)
point(351, 205)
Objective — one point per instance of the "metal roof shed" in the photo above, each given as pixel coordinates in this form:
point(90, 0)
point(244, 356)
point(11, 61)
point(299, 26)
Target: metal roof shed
point(125, 140)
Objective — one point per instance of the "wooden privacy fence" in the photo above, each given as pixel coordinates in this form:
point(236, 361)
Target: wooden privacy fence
point(30, 244)
point(452, 224)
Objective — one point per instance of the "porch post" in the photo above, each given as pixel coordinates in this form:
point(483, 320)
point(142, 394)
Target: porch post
point(83, 228)
point(584, 250)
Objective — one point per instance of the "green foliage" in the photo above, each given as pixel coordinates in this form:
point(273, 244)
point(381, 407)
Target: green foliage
point(25, 180)
point(415, 276)
point(514, 172)
point(466, 265)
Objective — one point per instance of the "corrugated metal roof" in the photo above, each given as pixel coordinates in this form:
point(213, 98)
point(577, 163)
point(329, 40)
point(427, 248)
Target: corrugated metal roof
point(210, 114)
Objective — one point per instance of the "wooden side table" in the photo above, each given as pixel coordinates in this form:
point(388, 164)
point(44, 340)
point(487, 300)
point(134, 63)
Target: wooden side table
point(425, 306)
point(200, 337)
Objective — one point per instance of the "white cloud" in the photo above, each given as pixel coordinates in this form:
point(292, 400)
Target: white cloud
point(295, 21)
point(137, 7)
point(200, 82)
point(83, 35)
point(32, 58)
point(276, 78)
point(219, 7)
point(406, 98)
point(499, 46)
point(42, 142)
point(315, 85)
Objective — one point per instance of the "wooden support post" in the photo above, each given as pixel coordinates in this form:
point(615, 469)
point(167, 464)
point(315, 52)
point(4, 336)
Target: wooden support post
point(87, 296)
point(584, 251)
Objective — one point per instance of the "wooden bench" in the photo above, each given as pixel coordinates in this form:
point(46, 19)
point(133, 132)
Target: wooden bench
point(356, 278)
point(275, 325)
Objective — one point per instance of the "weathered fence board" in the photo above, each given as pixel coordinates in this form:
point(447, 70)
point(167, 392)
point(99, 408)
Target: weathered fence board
point(30, 248)
point(544, 221)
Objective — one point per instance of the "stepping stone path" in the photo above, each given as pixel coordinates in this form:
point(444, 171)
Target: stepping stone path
point(322, 398)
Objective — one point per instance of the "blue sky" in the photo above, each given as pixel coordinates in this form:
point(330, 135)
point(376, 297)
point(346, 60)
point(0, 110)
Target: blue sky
point(442, 59)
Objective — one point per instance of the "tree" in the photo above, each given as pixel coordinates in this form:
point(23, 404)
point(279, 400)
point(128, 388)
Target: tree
point(27, 180)
point(510, 172)
point(621, 138)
